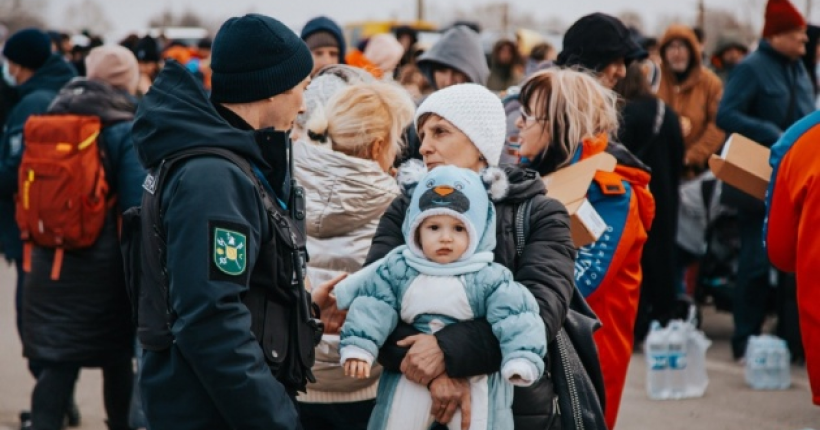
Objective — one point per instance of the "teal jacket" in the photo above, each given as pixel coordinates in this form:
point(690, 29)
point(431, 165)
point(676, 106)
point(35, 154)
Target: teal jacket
point(757, 96)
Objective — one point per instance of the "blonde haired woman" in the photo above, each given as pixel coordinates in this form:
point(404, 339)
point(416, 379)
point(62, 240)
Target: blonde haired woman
point(345, 162)
point(566, 117)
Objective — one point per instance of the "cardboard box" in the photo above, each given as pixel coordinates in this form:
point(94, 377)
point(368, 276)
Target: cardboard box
point(570, 185)
point(743, 164)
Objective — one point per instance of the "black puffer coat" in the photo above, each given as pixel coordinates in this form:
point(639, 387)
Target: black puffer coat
point(546, 268)
point(84, 317)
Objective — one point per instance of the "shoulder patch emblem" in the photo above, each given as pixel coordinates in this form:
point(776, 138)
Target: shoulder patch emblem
point(230, 251)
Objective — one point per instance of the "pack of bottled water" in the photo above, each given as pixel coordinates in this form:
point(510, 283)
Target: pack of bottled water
point(676, 360)
point(768, 363)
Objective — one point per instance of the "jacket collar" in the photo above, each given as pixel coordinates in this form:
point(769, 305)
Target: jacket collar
point(767, 49)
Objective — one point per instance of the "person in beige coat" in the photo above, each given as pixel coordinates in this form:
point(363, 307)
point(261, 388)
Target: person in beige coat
point(693, 92)
point(344, 161)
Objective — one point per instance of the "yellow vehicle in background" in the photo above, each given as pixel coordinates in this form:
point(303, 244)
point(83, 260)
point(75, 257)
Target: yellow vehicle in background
point(358, 31)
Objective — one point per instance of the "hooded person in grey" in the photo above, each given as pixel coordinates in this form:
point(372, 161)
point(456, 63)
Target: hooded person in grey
point(457, 58)
point(459, 52)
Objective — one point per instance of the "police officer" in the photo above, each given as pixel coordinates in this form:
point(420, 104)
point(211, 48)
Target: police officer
point(220, 272)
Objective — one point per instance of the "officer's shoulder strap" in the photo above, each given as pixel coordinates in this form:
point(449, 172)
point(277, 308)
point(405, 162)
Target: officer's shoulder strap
point(154, 182)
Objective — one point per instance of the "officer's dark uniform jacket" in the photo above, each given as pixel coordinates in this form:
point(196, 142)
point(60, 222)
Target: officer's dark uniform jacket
point(208, 371)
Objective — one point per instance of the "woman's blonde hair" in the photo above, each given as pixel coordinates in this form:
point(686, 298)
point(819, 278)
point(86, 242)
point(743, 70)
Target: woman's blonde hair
point(358, 115)
point(574, 106)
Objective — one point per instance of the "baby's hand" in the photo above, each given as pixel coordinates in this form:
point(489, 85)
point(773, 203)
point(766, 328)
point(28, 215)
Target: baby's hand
point(357, 368)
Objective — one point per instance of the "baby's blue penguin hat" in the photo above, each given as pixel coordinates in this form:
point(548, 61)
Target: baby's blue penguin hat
point(460, 193)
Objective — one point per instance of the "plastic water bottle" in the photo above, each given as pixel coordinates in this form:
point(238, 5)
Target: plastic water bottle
point(767, 363)
point(756, 362)
point(676, 340)
point(779, 360)
point(657, 350)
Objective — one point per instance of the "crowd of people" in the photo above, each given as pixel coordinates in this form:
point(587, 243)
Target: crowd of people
point(303, 234)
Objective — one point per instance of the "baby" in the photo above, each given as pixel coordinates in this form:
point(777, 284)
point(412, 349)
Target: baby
point(443, 275)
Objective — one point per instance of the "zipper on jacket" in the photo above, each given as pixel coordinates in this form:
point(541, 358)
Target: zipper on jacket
point(573, 391)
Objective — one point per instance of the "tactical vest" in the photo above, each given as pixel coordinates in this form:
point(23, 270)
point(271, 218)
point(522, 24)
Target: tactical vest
point(282, 317)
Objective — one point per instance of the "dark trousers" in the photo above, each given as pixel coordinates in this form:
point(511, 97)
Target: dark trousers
point(336, 416)
point(659, 285)
point(788, 322)
point(33, 366)
point(752, 290)
point(55, 386)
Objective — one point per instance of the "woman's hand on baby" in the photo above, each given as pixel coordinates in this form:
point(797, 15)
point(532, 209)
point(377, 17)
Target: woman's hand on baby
point(450, 395)
point(424, 361)
point(357, 369)
point(331, 316)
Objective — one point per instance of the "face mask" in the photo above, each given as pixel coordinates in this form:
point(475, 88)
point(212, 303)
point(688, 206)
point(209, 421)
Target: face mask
point(7, 76)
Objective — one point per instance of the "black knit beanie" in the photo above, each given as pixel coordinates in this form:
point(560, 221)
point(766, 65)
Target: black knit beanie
point(29, 48)
point(597, 40)
point(256, 57)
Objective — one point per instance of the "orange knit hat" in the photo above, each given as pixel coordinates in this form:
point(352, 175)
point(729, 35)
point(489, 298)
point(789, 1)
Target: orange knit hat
point(781, 17)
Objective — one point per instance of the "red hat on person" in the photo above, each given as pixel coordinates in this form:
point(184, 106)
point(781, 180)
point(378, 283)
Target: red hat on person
point(782, 17)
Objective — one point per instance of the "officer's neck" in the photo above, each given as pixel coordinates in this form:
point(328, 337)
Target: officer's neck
point(248, 112)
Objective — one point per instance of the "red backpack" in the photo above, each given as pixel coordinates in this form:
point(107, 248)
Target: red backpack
point(63, 195)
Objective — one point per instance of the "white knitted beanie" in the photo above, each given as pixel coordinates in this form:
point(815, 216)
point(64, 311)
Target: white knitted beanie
point(474, 110)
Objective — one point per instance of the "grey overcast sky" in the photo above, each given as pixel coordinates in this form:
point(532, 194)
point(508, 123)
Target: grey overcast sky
point(128, 15)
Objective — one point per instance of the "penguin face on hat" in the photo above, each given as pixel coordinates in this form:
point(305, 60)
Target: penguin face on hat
point(444, 196)
point(456, 192)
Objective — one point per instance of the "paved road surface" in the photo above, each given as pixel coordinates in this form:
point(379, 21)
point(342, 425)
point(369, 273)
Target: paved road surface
point(728, 404)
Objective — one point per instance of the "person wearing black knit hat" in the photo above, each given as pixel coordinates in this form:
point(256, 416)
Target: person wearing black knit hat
point(222, 309)
point(147, 52)
point(601, 44)
point(36, 76)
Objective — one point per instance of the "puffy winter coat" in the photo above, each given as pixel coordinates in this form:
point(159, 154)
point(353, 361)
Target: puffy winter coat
point(346, 197)
point(545, 268)
point(695, 99)
point(85, 315)
point(608, 272)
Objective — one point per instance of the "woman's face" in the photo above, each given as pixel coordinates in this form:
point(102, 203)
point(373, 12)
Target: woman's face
point(442, 144)
point(533, 131)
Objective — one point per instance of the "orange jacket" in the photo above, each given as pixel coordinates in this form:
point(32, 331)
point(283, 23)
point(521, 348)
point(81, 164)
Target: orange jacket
point(695, 100)
point(608, 272)
point(357, 59)
point(793, 228)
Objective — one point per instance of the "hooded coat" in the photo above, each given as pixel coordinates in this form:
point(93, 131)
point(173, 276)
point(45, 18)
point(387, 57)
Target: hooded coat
point(695, 99)
point(407, 285)
point(323, 23)
point(545, 267)
point(36, 94)
point(608, 272)
point(215, 356)
point(459, 49)
point(85, 316)
point(346, 197)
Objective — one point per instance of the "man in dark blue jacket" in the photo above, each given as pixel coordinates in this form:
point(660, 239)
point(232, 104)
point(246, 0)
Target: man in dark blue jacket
point(37, 75)
point(221, 246)
point(765, 94)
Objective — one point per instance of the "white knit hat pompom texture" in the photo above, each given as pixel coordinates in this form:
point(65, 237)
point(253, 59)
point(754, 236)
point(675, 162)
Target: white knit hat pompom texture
point(474, 110)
